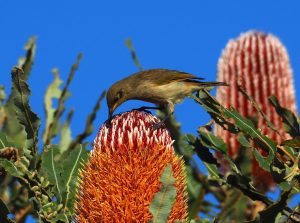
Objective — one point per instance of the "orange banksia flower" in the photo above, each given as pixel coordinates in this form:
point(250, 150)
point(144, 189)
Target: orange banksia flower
point(123, 173)
point(260, 64)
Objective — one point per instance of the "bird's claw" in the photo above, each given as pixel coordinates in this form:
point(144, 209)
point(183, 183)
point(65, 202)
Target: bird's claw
point(142, 109)
point(157, 125)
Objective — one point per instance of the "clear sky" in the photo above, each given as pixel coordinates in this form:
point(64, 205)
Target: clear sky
point(183, 35)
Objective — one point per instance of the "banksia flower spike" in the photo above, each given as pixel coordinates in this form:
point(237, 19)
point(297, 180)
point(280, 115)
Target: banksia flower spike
point(259, 63)
point(123, 173)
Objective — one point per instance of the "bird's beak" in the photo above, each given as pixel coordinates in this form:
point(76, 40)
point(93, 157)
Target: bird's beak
point(111, 112)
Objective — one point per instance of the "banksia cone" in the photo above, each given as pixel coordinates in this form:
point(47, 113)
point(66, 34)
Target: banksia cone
point(259, 63)
point(123, 173)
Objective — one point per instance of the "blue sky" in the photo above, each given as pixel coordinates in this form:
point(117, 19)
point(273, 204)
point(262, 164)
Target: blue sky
point(183, 35)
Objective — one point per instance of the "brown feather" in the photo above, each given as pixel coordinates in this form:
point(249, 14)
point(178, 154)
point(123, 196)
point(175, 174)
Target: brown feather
point(164, 76)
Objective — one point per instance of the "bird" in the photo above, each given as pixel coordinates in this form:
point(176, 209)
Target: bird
point(162, 87)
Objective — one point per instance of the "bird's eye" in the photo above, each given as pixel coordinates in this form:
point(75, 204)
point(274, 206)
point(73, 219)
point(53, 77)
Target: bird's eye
point(119, 95)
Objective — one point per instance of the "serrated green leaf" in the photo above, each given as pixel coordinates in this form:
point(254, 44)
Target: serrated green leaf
point(278, 170)
point(128, 43)
point(53, 169)
point(64, 175)
point(213, 172)
point(295, 142)
point(61, 217)
point(26, 62)
point(212, 141)
point(247, 127)
point(4, 142)
point(26, 117)
point(52, 92)
point(190, 138)
point(65, 94)
point(163, 201)
point(193, 184)
point(65, 134)
point(243, 141)
point(289, 120)
point(70, 175)
point(289, 151)
point(10, 167)
point(12, 128)
point(220, 114)
point(264, 162)
point(215, 110)
point(285, 186)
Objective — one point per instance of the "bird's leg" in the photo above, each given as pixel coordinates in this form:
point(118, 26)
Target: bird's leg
point(169, 108)
point(146, 108)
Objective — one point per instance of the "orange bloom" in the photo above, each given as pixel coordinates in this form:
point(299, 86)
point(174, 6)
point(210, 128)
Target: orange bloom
point(123, 174)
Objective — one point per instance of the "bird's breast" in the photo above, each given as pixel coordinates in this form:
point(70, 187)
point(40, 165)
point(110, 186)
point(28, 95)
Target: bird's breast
point(174, 91)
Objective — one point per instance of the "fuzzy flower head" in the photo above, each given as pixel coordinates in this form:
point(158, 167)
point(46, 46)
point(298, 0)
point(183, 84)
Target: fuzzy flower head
point(123, 174)
point(259, 63)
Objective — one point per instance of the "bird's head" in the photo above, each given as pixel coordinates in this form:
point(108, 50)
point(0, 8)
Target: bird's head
point(116, 95)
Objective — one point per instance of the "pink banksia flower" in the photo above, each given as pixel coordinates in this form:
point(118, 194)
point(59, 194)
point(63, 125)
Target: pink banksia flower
point(260, 64)
point(123, 174)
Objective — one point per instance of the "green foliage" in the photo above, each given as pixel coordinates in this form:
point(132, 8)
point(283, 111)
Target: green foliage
point(26, 117)
point(63, 175)
point(53, 92)
point(10, 167)
point(54, 121)
point(129, 45)
point(290, 122)
point(42, 185)
point(162, 203)
point(236, 183)
point(12, 128)
point(43, 182)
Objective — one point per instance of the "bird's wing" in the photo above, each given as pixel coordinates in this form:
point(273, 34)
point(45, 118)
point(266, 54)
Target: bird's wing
point(164, 76)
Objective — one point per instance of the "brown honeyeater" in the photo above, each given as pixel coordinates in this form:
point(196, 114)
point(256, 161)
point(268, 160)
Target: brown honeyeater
point(162, 87)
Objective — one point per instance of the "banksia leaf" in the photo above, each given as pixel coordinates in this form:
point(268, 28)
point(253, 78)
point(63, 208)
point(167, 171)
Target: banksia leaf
point(53, 169)
point(51, 131)
point(52, 92)
point(163, 201)
point(65, 133)
point(289, 120)
point(135, 59)
point(259, 64)
point(63, 175)
point(10, 167)
point(26, 117)
point(123, 174)
point(11, 126)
